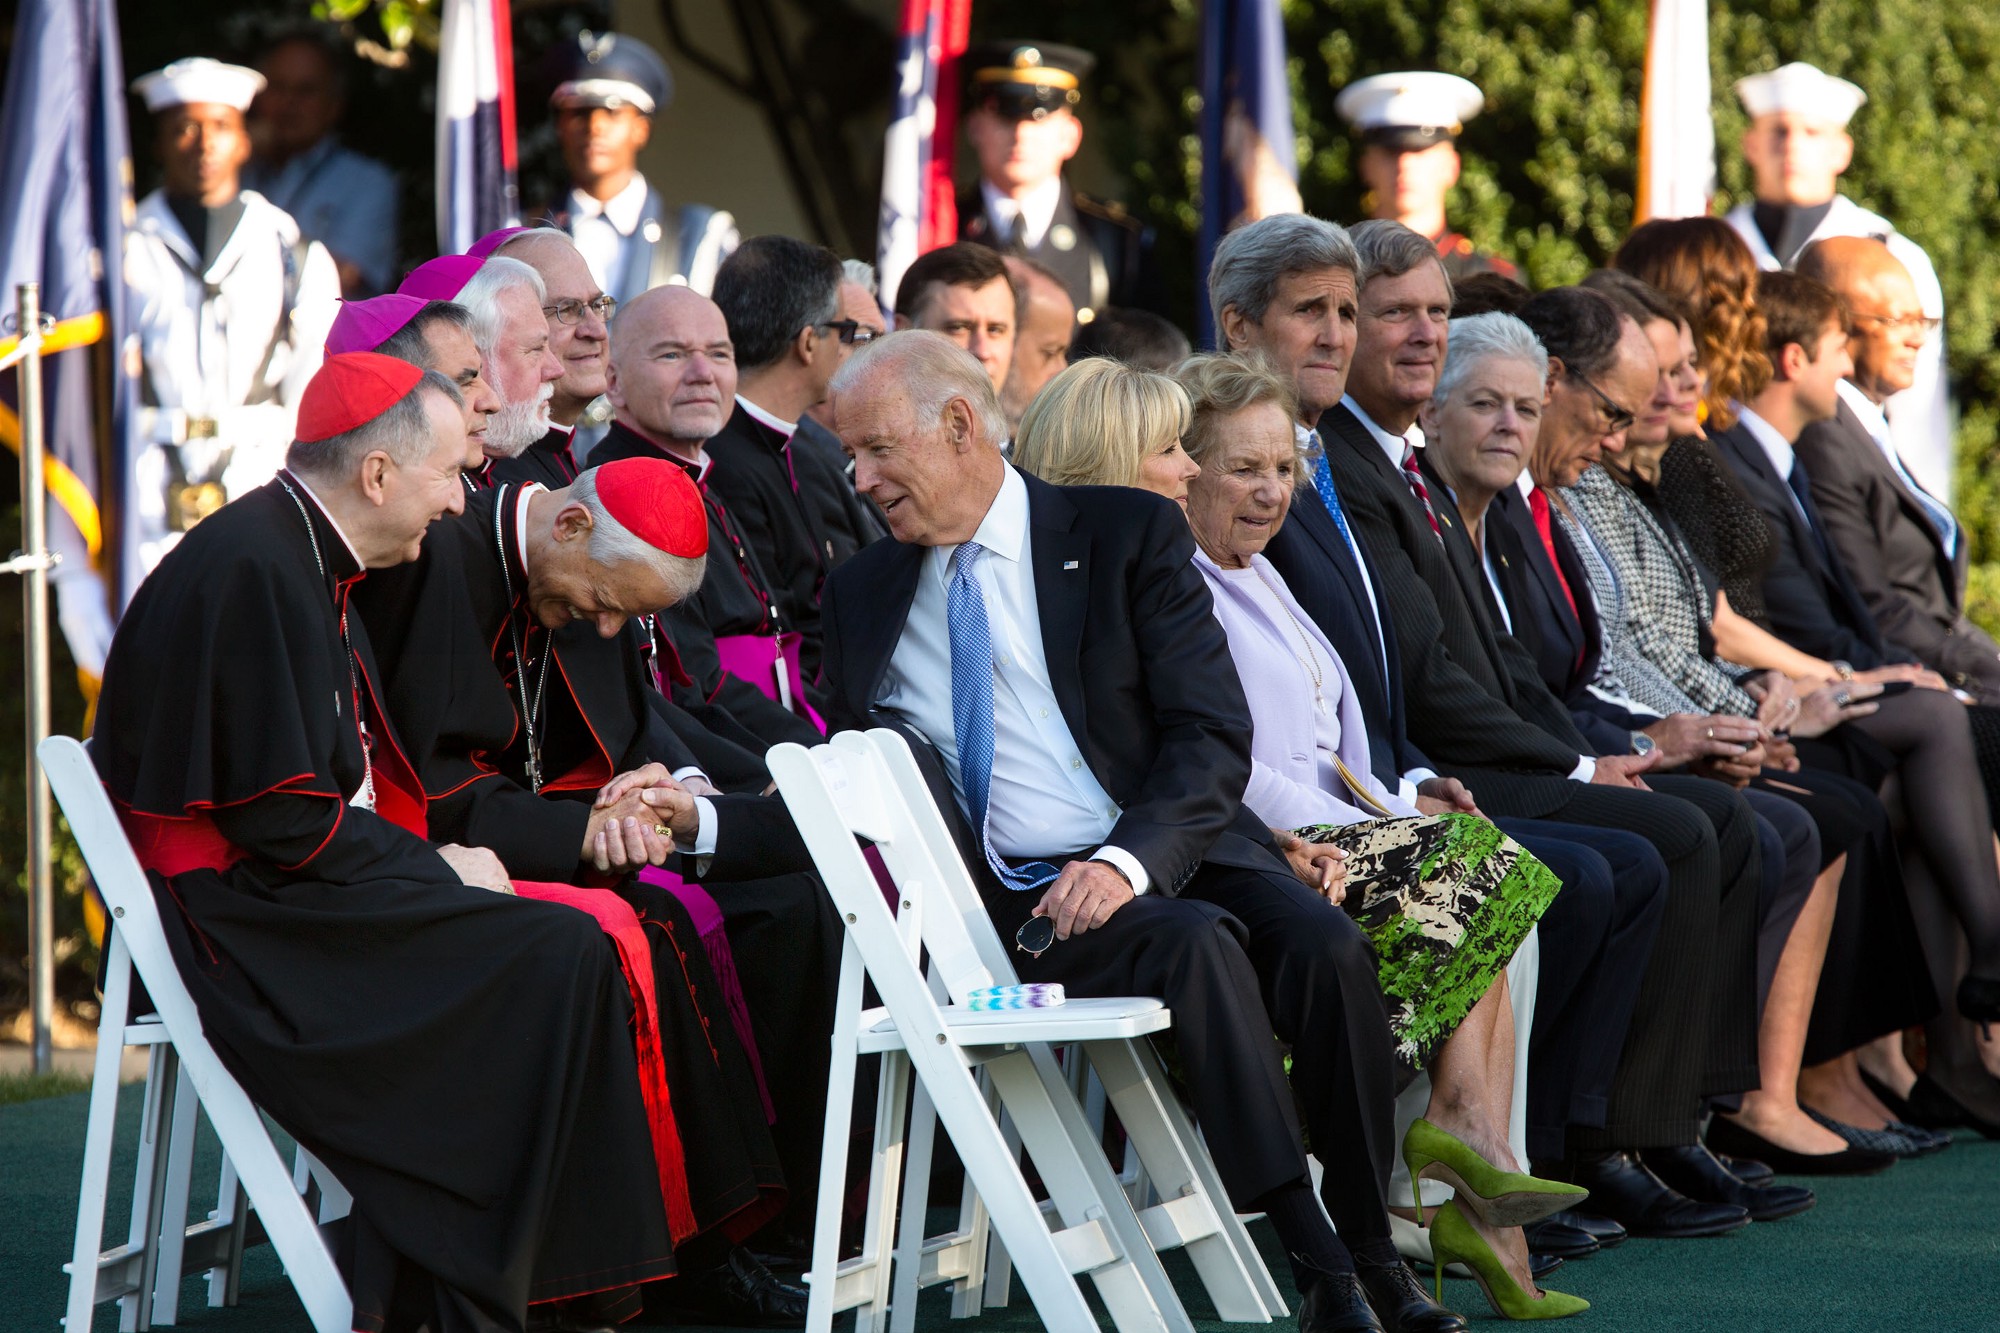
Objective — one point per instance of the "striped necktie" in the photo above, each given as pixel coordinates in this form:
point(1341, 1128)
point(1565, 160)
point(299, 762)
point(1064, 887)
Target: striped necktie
point(1415, 476)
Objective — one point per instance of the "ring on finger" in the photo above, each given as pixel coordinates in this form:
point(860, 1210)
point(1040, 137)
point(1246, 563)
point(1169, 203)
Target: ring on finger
point(1840, 699)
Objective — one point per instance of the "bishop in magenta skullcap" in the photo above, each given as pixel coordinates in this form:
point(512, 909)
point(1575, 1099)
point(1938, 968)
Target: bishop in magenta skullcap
point(441, 279)
point(492, 241)
point(656, 502)
point(363, 326)
point(351, 389)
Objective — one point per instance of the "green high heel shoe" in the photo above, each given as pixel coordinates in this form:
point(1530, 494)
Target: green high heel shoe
point(1501, 1198)
point(1454, 1240)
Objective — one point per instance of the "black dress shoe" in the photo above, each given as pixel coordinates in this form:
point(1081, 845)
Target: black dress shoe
point(1551, 1237)
point(1931, 1107)
point(1336, 1305)
point(1694, 1171)
point(1622, 1189)
point(1730, 1137)
point(1603, 1230)
point(1541, 1265)
point(1747, 1169)
point(739, 1292)
point(1401, 1302)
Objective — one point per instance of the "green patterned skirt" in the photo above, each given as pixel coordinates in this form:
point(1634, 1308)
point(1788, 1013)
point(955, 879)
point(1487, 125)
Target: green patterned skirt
point(1446, 900)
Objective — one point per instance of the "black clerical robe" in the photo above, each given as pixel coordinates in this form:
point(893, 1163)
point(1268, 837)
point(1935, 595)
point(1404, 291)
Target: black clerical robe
point(452, 629)
point(756, 473)
point(460, 1059)
point(733, 604)
point(548, 460)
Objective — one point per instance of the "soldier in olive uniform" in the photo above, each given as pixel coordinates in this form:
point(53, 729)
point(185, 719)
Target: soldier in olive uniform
point(1409, 125)
point(1022, 100)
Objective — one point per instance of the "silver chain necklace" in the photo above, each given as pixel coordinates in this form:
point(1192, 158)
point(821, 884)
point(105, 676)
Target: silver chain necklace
point(367, 797)
point(531, 708)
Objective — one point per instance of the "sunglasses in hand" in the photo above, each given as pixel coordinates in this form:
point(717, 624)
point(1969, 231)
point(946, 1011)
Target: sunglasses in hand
point(1036, 936)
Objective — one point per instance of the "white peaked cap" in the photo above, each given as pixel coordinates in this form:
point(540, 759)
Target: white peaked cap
point(1420, 99)
point(199, 79)
point(1803, 90)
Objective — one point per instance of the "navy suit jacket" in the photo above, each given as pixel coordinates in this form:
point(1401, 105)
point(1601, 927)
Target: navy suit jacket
point(1813, 604)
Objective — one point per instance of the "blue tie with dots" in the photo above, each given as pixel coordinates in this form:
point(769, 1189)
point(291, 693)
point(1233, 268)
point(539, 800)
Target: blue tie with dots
point(972, 710)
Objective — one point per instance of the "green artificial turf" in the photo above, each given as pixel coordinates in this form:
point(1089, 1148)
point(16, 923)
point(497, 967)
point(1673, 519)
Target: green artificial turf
point(1917, 1248)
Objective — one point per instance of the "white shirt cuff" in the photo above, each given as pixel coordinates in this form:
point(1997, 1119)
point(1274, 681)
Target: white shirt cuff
point(704, 834)
point(1415, 778)
point(1585, 770)
point(681, 775)
point(1126, 862)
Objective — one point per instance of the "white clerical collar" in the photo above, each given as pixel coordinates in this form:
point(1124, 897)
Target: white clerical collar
point(1004, 530)
point(621, 210)
point(1036, 209)
point(569, 430)
point(1775, 446)
point(771, 419)
point(1866, 408)
point(521, 520)
point(331, 521)
point(1395, 446)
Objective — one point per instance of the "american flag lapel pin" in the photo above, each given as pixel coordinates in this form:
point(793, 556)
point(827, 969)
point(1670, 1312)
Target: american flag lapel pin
point(1069, 564)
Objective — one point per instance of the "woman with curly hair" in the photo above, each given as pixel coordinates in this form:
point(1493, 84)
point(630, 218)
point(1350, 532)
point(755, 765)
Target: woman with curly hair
point(1704, 266)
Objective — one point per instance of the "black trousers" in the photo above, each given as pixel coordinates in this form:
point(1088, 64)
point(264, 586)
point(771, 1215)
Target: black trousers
point(1239, 956)
point(1596, 939)
point(786, 939)
point(1694, 1029)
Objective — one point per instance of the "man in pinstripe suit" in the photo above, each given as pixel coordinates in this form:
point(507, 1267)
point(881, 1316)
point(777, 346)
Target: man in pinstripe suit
point(1475, 702)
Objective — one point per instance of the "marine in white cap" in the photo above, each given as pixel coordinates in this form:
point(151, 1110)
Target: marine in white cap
point(1797, 147)
point(229, 314)
point(1409, 125)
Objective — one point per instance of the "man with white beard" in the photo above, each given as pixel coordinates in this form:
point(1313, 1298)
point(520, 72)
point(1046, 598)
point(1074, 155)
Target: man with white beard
point(505, 297)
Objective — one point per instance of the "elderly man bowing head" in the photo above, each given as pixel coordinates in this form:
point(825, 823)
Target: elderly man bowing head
point(1055, 654)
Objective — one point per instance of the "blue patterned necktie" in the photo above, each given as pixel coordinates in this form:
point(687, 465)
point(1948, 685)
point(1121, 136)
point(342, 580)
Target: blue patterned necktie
point(1323, 483)
point(972, 710)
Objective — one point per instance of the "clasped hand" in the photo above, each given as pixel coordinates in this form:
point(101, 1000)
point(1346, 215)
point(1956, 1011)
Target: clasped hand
point(637, 818)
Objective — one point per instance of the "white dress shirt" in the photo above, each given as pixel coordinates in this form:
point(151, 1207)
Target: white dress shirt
point(1776, 448)
point(1036, 209)
point(600, 229)
point(1043, 800)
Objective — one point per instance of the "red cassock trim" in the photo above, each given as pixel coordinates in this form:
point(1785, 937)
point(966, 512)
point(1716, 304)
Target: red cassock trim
point(176, 846)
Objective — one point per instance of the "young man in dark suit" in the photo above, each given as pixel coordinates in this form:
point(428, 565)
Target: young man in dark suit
point(1057, 654)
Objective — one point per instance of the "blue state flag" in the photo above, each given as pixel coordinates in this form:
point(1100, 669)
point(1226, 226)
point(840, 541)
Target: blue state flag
point(1249, 155)
point(66, 174)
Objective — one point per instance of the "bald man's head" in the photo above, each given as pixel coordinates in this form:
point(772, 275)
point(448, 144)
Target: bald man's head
point(1886, 325)
point(673, 367)
point(1041, 342)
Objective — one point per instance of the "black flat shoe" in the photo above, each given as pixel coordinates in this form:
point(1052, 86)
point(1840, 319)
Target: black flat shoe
point(1541, 1265)
point(1730, 1137)
point(1550, 1236)
point(1336, 1305)
point(1694, 1171)
point(739, 1292)
point(1400, 1301)
point(1622, 1189)
point(1897, 1107)
point(1603, 1230)
point(1746, 1169)
point(1931, 1107)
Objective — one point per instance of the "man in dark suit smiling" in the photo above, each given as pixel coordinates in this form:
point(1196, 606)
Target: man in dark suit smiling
point(1059, 654)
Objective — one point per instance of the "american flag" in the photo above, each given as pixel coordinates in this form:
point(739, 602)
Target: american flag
point(919, 210)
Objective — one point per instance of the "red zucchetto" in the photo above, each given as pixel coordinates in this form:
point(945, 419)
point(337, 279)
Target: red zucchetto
point(656, 502)
point(352, 389)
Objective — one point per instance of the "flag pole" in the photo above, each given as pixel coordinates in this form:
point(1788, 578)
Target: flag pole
point(33, 563)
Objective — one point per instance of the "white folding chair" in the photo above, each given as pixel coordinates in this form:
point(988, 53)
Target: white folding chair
point(834, 794)
point(1171, 1165)
point(144, 1274)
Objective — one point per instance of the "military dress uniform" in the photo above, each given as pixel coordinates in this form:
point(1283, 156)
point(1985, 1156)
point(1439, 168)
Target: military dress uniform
point(229, 327)
point(1409, 112)
point(635, 240)
point(1102, 254)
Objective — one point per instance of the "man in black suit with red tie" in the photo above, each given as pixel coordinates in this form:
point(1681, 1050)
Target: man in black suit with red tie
point(1058, 655)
